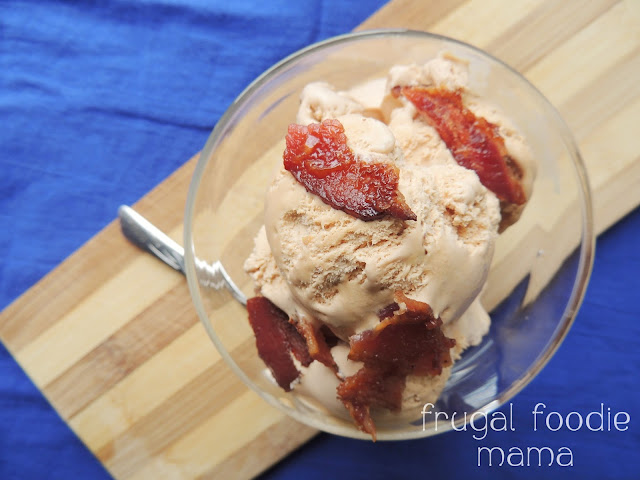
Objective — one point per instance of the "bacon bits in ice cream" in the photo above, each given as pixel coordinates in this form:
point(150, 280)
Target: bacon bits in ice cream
point(407, 341)
point(276, 339)
point(474, 142)
point(320, 159)
point(379, 231)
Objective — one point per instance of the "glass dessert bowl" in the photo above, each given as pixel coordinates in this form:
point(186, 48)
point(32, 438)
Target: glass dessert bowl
point(537, 276)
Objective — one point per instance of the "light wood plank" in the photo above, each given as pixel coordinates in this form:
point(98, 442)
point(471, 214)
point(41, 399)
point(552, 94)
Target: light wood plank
point(93, 320)
point(585, 56)
point(479, 22)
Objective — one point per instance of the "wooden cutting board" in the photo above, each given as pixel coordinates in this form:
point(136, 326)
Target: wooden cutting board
point(111, 337)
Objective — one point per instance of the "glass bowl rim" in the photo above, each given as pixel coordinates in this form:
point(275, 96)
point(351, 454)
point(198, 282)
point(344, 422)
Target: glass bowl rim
point(587, 244)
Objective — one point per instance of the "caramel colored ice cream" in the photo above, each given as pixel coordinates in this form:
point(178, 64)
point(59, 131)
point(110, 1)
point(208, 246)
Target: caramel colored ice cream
point(329, 269)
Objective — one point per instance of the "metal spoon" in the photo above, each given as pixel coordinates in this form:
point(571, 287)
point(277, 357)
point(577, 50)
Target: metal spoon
point(146, 236)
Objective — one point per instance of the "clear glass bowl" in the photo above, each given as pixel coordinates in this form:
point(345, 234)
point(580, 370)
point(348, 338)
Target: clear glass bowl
point(541, 266)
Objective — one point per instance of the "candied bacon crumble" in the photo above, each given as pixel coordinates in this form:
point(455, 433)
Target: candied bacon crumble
point(388, 310)
point(474, 142)
point(317, 344)
point(276, 338)
point(319, 158)
point(407, 341)
point(370, 387)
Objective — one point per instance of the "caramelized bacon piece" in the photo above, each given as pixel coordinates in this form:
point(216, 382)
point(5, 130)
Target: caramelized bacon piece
point(317, 345)
point(373, 386)
point(473, 141)
point(361, 415)
point(320, 159)
point(408, 341)
point(370, 387)
point(388, 311)
point(276, 338)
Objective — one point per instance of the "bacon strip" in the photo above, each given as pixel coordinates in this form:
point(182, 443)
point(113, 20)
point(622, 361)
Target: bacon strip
point(276, 339)
point(409, 341)
point(317, 344)
point(370, 387)
point(473, 141)
point(320, 159)
point(387, 311)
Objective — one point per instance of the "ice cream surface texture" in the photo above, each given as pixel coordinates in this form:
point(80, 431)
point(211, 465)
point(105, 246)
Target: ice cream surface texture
point(351, 283)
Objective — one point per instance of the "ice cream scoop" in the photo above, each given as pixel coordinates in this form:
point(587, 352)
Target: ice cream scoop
point(342, 271)
point(373, 293)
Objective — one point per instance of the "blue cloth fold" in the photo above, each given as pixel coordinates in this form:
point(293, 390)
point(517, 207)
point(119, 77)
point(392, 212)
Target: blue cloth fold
point(101, 101)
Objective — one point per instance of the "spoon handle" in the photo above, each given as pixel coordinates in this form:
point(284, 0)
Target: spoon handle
point(146, 236)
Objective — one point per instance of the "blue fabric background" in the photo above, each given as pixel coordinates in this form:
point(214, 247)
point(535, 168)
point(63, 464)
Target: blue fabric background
point(100, 101)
